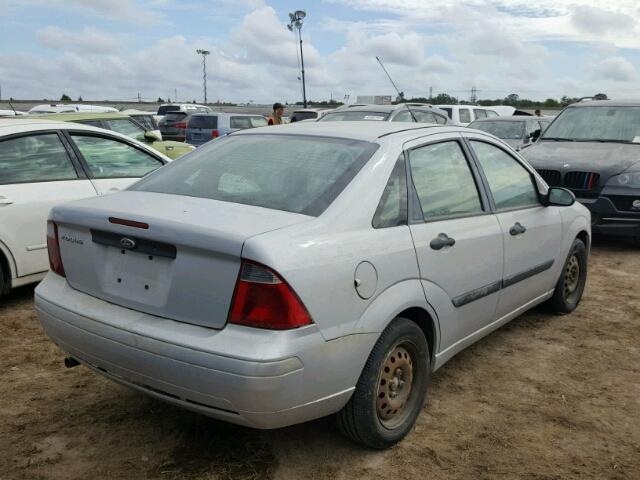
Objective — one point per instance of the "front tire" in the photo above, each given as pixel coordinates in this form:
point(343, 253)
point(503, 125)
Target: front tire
point(570, 285)
point(391, 390)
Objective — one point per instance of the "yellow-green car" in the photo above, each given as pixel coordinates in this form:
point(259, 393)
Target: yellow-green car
point(121, 123)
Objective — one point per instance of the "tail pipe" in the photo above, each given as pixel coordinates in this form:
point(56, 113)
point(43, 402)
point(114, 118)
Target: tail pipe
point(71, 362)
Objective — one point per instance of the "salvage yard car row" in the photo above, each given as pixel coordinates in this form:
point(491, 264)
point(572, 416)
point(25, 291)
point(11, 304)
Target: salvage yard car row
point(280, 274)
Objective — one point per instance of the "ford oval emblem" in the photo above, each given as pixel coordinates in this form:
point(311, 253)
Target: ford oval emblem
point(127, 243)
point(636, 205)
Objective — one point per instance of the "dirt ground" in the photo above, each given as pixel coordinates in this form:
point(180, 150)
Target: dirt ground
point(544, 397)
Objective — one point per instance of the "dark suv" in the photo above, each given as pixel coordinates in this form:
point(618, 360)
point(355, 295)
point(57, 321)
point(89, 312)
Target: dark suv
point(593, 149)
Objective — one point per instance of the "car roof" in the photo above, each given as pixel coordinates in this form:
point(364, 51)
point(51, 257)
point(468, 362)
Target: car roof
point(25, 124)
point(606, 103)
point(28, 123)
point(365, 131)
point(209, 114)
point(133, 111)
point(71, 116)
point(391, 108)
point(512, 118)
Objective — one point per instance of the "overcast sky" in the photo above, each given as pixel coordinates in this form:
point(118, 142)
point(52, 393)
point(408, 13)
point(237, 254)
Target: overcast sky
point(113, 49)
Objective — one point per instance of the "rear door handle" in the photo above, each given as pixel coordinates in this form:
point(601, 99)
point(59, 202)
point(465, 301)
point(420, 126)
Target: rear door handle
point(5, 201)
point(441, 241)
point(517, 229)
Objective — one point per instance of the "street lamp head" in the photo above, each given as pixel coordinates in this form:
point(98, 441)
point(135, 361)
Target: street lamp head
point(203, 52)
point(300, 14)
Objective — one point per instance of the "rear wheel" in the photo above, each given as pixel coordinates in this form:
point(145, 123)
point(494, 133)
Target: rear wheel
point(573, 278)
point(391, 390)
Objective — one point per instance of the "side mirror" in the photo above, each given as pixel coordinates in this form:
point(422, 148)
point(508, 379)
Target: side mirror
point(560, 197)
point(153, 135)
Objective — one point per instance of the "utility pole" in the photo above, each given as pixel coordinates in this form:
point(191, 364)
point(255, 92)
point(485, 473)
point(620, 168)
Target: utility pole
point(204, 54)
point(296, 22)
point(175, 94)
point(139, 98)
point(474, 95)
point(430, 93)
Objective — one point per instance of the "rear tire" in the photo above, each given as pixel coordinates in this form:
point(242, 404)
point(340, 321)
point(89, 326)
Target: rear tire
point(570, 285)
point(391, 390)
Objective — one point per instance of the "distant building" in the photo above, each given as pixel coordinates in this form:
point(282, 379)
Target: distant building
point(375, 99)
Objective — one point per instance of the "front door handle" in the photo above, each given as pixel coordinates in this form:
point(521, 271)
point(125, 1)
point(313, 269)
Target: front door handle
point(5, 201)
point(441, 241)
point(517, 229)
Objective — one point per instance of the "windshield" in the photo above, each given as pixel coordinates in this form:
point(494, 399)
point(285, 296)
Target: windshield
point(504, 130)
point(299, 174)
point(602, 123)
point(297, 116)
point(351, 116)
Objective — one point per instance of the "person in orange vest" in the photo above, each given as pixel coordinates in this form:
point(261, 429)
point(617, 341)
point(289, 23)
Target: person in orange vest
point(276, 117)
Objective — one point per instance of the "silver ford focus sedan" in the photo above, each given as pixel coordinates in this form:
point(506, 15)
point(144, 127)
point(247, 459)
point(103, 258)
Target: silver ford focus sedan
point(287, 273)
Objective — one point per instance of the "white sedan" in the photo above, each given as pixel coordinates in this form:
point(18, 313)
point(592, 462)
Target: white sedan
point(44, 163)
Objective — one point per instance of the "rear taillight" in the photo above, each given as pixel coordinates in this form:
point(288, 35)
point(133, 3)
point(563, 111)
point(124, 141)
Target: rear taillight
point(181, 125)
point(263, 299)
point(215, 133)
point(53, 245)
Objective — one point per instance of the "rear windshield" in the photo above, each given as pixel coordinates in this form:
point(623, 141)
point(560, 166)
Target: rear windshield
point(167, 108)
point(175, 116)
point(203, 121)
point(242, 122)
point(299, 174)
point(351, 116)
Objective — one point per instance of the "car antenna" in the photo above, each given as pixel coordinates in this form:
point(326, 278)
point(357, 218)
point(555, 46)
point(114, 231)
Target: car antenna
point(400, 94)
point(14, 110)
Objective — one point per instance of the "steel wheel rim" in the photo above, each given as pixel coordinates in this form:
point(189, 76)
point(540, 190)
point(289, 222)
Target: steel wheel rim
point(571, 277)
point(394, 397)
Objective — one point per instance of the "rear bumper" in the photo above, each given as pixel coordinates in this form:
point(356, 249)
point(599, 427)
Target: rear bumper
point(252, 377)
point(607, 219)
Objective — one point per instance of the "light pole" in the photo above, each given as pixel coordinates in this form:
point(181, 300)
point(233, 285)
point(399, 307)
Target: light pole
point(296, 22)
point(204, 54)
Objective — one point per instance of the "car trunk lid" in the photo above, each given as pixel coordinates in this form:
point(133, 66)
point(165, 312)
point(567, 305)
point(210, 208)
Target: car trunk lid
point(172, 256)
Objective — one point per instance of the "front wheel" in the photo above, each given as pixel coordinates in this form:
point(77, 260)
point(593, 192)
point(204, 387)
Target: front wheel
point(573, 278)
point(391, 390)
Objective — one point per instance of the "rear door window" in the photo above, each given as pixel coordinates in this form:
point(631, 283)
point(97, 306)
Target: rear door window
point(443, 181)
point(293, 173)
point(35, 158)
point(110, 158)
point(465, 115)
point(479, 113)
